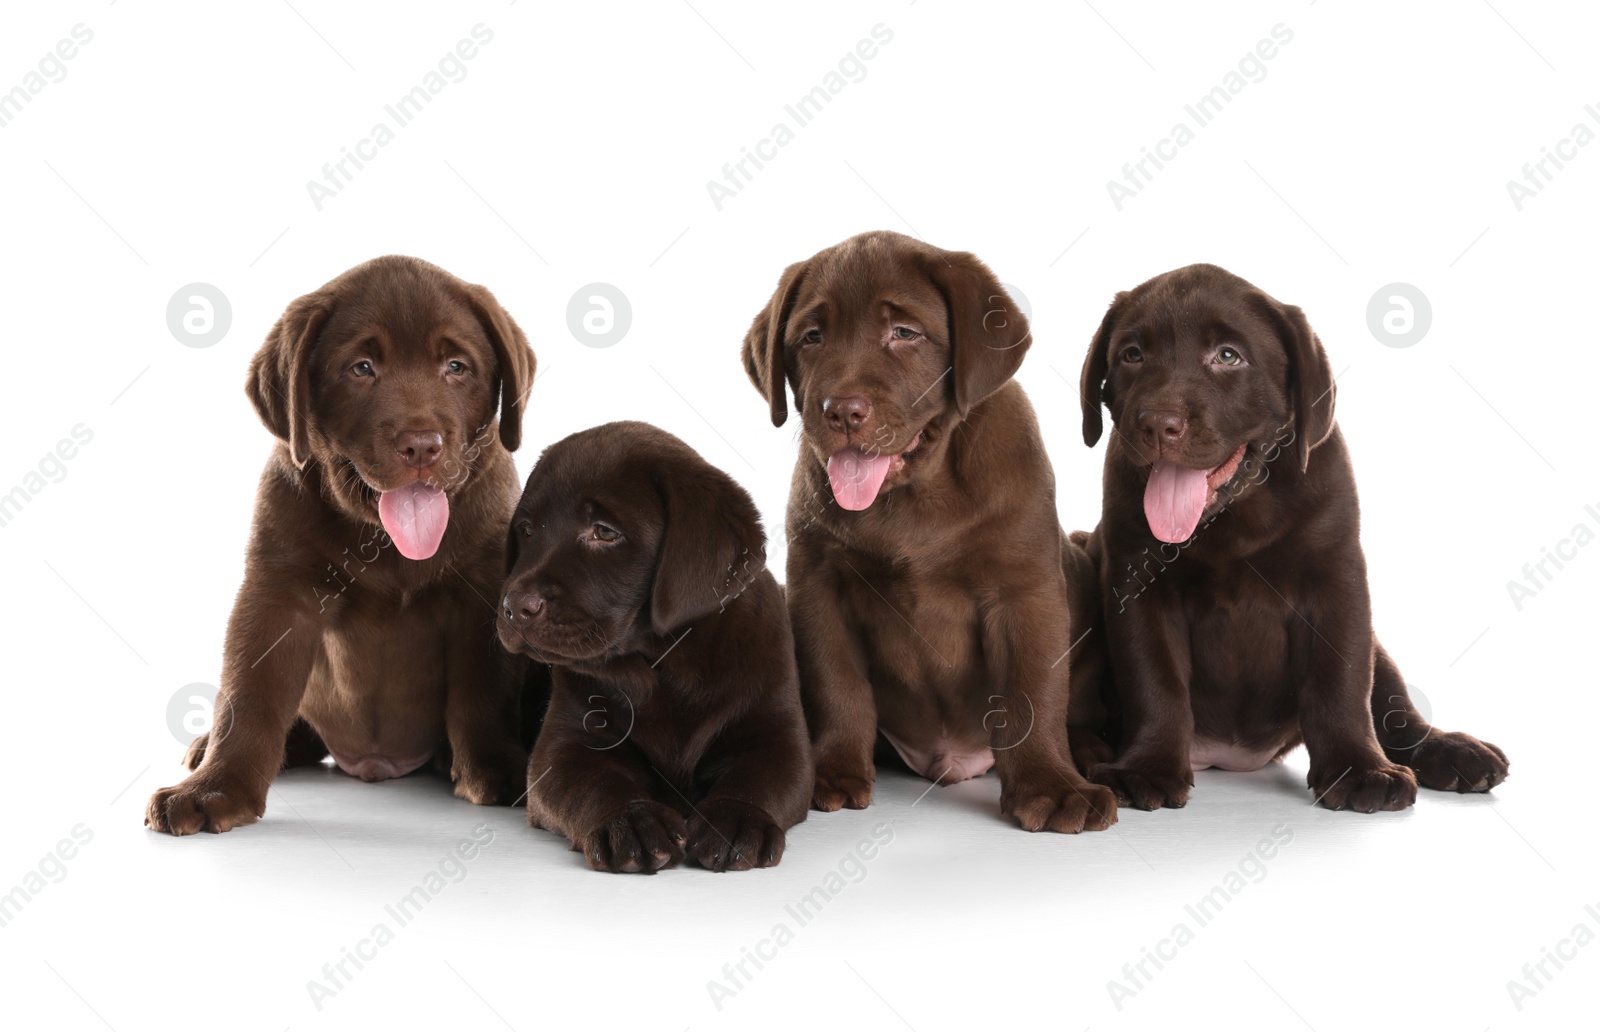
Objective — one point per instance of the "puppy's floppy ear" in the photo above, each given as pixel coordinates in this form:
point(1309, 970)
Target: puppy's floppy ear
point(279, 385)
point(988, 332)
point(711, 548)
point(763, 350)
point(1311, 387)
point(1095, 366)
point(512, 355)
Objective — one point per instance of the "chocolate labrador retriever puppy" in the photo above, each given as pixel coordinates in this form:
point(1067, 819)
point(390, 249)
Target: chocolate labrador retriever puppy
point(1234, 583)
point(365, 626)
point(926, 564)
point(675, 728)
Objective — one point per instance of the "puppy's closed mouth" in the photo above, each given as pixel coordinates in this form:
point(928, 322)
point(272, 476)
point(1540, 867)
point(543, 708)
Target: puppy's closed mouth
point(577, 642)
point(856, 475)
point(1176, 496)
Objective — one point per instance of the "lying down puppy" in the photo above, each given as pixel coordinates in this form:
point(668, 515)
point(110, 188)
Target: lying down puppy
point(675, 729)
point(1235, 587)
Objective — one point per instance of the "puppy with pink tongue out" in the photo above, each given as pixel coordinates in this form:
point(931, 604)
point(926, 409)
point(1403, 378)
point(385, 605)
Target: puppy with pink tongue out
point(1234, 586)
point(361, 631)
point(932, 591)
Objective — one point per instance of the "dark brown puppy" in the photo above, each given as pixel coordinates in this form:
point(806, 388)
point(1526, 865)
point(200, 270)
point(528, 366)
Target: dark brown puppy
point(675, 729)
point(926, 580)
point(1234, 583)
point(381, 387)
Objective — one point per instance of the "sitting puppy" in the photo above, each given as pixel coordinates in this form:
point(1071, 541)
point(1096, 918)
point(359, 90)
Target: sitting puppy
point(363, 628)
point(1234, 584)
point(675, 728)
point(930, 585)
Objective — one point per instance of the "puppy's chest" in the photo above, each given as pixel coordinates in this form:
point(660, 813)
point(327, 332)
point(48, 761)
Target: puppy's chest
point(1240, 627)
point(361, 579)
point(918, 628)
point(672, 723)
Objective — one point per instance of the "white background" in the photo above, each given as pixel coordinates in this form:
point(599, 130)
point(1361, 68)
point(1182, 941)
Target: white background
point(577, 149)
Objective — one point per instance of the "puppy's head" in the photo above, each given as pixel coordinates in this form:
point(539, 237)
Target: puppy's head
point(388, 378)
point(886, 343)
point(624, 535)
point(1198, 369)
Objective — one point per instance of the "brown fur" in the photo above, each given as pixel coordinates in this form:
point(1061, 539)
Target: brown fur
point(675, 729)
point(941, 613)
point(337, 642)
point(1257, 634)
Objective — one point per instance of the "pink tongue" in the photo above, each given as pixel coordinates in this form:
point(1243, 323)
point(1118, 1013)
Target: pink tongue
point(856, 477)
point(415, 517)
point(1174, 498)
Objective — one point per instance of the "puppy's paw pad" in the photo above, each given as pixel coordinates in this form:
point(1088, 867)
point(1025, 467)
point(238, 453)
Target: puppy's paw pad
point(1068, 808)
point(1451, 761)
point(641, 838)
point(188, 808)
point(1388, 787)
point(1145, 788)
point(731, 836)
point(835, 789)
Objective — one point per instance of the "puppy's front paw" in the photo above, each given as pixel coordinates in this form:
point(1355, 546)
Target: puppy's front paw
point(1143, 787)
point(1451, 761)
point(726, 835)
point(841, 787)
point(641, 838)
point(1067, 806)
point(1385, 787)
point(491, 778)
point(197, 805)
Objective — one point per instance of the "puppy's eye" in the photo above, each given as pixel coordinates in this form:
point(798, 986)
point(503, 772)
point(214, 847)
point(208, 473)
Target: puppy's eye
point(905, 333)
point(525, 528)
point(455, 367)
point(363, 368)
point(1132, 354)
point(812, 337)
point(1228, 356)
point(602, 532)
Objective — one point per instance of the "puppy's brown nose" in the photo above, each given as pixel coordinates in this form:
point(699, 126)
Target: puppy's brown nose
point(846, 414)
point(1161, 427)
point(419, 448)
point(521, 608)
